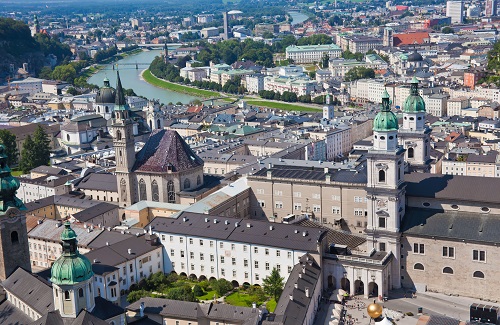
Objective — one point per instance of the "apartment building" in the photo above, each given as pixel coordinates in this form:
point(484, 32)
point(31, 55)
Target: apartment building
point(299, 86)
point(338, 142)
point(311, 53)
point(436, 104)
point(485, 165)
point(33, 189)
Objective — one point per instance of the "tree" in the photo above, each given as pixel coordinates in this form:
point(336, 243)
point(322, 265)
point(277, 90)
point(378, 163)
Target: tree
point(273, 284)
point(8, 139)
point(42, 147)
point(72, 91)
point(64, 72)
point(324, 60)
point(221, 286)
point(27, 161)
point(447, 30)
point(359, 73)
point(136, 295)
point(45, 73)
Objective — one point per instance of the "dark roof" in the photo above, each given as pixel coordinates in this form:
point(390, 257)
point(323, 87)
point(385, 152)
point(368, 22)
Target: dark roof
point(117, 253)
point(453, 187)
point(105, 95)
point(98, 182)
point(442, 320)
point(110, 237)
point(167, 307)
point(51, 318)
point(94, 211)
point(49, 170)
point(336, 237)
point(166, 150)
point(308, 173)
point(452, 225)
point(281, 235)
point(32, 290)
point(10, 315)
point(294, 311)
point(104, 309)
point(61, 200)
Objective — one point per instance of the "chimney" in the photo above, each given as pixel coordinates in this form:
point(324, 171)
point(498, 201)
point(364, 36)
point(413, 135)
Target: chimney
point(307, 292)
point(141, 310)
point(269, 174)
point(254, 305)
point(304, 233)
point(206, 219)
point(107, 243)
point(129, 251)
point(271, 227)
point(216, 221)
point(328, 178)
point(296, 285)
point(184, 219)
point(249, 225)
point(226, 222)
point(291, 296)
point(150, 230)
point(236, 225)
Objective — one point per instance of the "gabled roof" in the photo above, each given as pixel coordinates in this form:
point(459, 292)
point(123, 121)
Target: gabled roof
point(166, 150)
point(33, 291)
point(10, 315)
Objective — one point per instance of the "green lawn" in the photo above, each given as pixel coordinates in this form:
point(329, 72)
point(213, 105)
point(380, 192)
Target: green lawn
point(271, 305)
point(208, 295)
point(242, 299)
point(148, 77)
point(16, 173)
point(281, 105)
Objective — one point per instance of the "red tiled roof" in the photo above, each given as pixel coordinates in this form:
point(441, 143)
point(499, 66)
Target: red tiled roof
point(410, 38)
point(194, 109)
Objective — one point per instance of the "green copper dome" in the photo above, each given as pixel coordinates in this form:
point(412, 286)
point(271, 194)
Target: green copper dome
point(8, 186)
point(71, 267)
point(414, 103)
point(385, 120)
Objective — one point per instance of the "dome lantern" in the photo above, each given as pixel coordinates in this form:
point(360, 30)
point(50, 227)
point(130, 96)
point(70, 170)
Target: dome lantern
point(385, 120)
point(414, 103)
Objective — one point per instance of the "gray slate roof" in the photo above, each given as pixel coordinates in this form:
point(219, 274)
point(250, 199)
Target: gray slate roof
point(453, 187)
point(32, 290)
point(164, 150)
point(452, 225)
point(99, 182)
point(10, 315)
point(201, 225)
point(291, 312)
point(167, 307)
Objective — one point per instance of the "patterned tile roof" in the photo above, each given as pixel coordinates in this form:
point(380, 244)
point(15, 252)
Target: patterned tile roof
point(166, 150)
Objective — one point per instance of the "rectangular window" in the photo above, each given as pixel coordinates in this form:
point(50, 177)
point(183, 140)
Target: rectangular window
point(233, 261)
point(182, 265)
point(244, 248)
point(234, 273)
point(221, 245)
point(233, 246)
point(246, 275)
point(212, 258)
point(255, 250)
point(191, 255)
point(289, 254)
point(381, 247)
point(316, 208)
point(278, 253)
point(245, 263)
point(418, 248)
point(335, 197)
point(358, 212)
point(260, 191)
point(381, 222)
point(278, 267)
point(202, 257)
point(211, 243)
point(222, 259)
point(278, 205)
point(289, 269)
point(297, 206)
point(358, 199)
point(256, 277)
point(448, 251)
point(267, 266)
point(212, 269)
point(182, 253)
point(256, 264)
point(316, 196)
point(172, 252)
point(478, 255)
point(222, 272)
point(266, 251)
point(297, 194)
point(190, 241)
point(201, 242)
point(181, 240)
point(278, 193)
point(336, 210)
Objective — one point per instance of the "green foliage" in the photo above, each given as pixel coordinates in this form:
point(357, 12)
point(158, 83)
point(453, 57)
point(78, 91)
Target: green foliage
point(36, 150)
point(335, 21)
point(232, 50)
point(189, 36)
point(51, 45)
point(316, 39)
point(28, 158)
point(45, 73)
point(198, 291)
point(273, 284)
point(72, 91)
point(221, 286)
point(136, 295)
point(289, 96)
point(447, 30)
point(164, 70)
point(359, 73)
point(105, 54)
point(181, 63)
point(325, 60)
point(8, 139)
point(64, 72)
point(183, 293)
point(348, 55)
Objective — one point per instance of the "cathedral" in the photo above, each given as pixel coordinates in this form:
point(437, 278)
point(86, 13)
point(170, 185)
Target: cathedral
point(165, 166)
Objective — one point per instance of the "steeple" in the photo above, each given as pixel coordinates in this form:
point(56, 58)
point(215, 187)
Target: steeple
point(8, 186)
point(120, 102)
point(72, 277)
point(414, 102)
point(385, 120)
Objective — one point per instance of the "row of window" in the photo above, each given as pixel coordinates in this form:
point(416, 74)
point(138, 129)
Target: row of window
point(448, 270)
point(223, 271)
point(357, 199)
point(449, 252)
point(223, 258)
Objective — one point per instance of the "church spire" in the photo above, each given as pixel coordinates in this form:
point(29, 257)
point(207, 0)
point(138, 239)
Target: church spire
point(9, 186)
point(120, 101)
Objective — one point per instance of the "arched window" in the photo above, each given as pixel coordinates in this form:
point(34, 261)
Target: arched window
point(381, 176)
point(158, 124)
point(123, 189)
point(142, 190)
point(14, 237)
point(154, 191)
point(478, 274)
point(107, 109)
point(198, 180)
point(151, 125)
point(66, 295)
point(187, 183)
point(418, 266)
point(410, 152)
point(67, 137)
point(80, 292)
point(448, 270)
point(170, 192)
point(118, 135)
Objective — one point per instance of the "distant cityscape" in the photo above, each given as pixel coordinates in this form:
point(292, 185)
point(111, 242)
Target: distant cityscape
point(249, 163)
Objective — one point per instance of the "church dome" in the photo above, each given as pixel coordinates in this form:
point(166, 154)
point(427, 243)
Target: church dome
point(414, 103)
point(106, 94)
point(71, 267)
point(385, 120)
point(415, 57)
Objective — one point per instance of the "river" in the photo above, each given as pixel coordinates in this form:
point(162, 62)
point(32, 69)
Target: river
point(297, 17)
point(131, 78)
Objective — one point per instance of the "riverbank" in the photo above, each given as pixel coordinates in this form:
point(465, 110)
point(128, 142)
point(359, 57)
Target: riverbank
point(281, 105)
point(96, 67)
point(161, 83)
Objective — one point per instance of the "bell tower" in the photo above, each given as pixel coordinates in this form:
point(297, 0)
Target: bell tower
point(385, 187)
point(124, 144)
point(14, 250)
point(414, 136)
point(72, 278)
